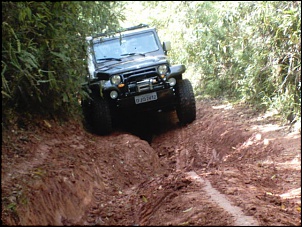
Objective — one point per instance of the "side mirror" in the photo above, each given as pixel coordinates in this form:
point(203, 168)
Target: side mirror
point(89, 38)
point(166, 46)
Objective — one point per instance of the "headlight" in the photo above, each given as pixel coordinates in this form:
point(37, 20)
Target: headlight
point(162, 69)
point(116, 79)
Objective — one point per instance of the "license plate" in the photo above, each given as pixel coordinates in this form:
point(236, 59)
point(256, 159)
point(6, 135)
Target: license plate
point(145, 98)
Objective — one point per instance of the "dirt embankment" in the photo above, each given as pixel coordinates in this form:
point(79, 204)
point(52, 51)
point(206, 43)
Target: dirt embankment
point(231, 166)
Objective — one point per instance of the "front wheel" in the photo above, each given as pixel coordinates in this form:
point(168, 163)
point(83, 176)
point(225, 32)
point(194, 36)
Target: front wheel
point(186, 106)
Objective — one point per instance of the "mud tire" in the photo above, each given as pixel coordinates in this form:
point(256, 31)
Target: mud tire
point(186, 106)
point(100, 116)
point(86, 110)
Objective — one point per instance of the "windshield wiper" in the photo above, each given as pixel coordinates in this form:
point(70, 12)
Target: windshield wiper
point(127, 54)
point(108, 59)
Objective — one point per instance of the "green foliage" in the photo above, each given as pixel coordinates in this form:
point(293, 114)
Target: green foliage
point(250, 51)
point(43, 52)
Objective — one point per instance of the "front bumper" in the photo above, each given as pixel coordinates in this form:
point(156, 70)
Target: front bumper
point(166, 99)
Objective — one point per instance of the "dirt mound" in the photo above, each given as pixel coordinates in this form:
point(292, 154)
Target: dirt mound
point(231, 166)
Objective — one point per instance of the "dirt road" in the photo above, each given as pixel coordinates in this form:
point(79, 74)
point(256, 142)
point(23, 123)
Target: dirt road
point(231, 166)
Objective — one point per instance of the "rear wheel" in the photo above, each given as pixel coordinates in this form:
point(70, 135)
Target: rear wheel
point(86, 110)
point(97, 116)
point(186, 106)
point(102, 122)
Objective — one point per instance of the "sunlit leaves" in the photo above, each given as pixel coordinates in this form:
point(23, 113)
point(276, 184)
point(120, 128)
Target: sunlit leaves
point(247, 50)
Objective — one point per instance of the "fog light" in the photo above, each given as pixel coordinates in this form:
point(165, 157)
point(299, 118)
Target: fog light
point(113, 94)
point(172, 81)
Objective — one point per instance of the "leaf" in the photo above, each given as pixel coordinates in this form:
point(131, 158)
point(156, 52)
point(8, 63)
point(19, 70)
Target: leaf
point(101, 91)
point(29, 58)
point(5, 94)
point(38, 172)
point(61, 56)
point(28, 11)
point(65, 97)
point(11, 206)
point(187, 210)
point(47, 124)
point(144, 199)
point(42, 81)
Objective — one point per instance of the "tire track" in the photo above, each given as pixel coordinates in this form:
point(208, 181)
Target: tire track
point(240, 218)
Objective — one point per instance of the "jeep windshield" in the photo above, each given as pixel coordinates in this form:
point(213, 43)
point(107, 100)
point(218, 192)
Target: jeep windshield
point(117, 48)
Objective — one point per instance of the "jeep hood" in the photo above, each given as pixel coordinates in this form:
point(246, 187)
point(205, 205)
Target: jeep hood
point(130, 63)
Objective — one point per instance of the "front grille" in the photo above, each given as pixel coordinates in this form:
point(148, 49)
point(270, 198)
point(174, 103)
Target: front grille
point(142, 80)
point(141, 74)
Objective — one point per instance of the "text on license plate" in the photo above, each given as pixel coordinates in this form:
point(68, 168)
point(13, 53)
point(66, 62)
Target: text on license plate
point(145, 98)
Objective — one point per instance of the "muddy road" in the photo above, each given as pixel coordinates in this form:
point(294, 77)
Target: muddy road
point(231, 166)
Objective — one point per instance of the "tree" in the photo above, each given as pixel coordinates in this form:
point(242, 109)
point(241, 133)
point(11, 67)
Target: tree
point(43, 52)
point(247, 51)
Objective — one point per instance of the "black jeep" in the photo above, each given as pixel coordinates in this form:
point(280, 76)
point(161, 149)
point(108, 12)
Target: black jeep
point(129, 72)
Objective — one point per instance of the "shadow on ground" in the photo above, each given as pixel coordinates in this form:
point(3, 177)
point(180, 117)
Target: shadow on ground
point(147, 125)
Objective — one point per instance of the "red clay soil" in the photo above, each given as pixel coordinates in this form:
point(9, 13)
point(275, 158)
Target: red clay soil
point(231, 166)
